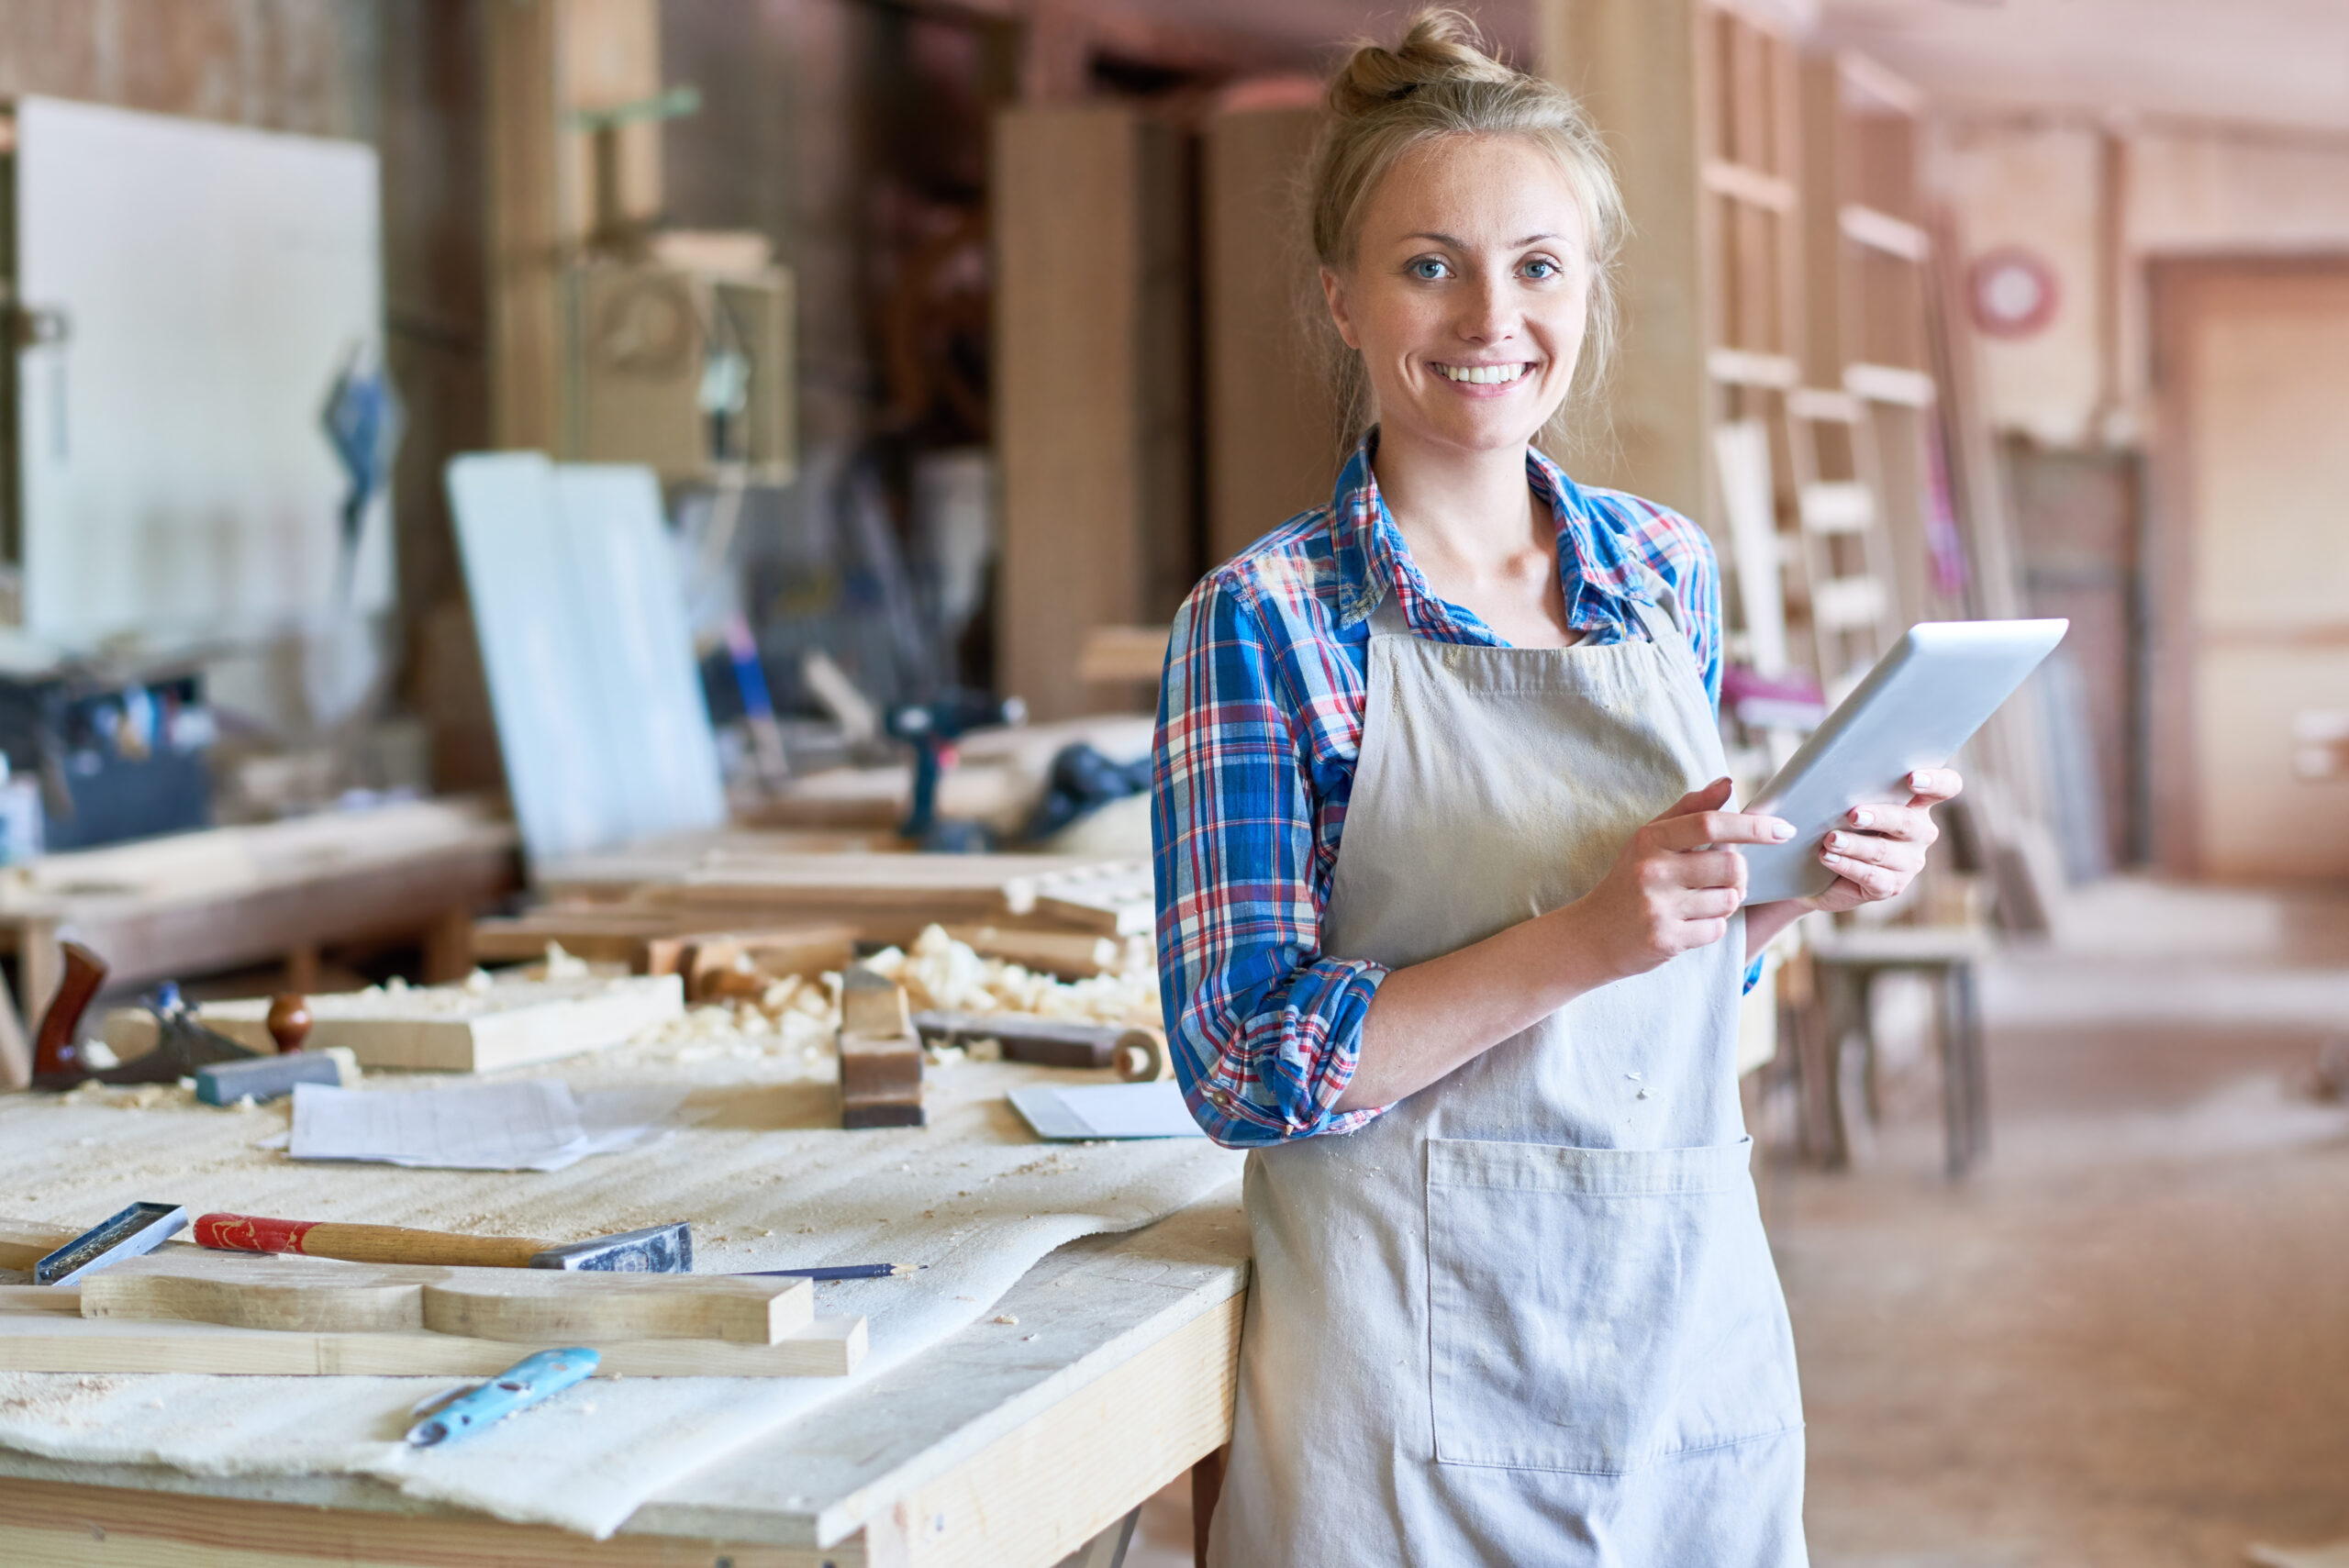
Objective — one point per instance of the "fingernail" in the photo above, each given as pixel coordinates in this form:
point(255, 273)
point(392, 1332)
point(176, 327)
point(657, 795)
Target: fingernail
point(1920, 779)
point(1835, 840)
point(1862, 818)
point(1782, 830)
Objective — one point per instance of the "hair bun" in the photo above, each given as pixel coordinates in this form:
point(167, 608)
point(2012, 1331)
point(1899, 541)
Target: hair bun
point(1440, 46)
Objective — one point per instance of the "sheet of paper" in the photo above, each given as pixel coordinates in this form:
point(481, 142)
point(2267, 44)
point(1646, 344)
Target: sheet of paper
point(533, 1125)
point(1107, 1110)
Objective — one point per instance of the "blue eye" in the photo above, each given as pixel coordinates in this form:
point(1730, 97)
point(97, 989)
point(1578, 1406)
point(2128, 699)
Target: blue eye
point(1542, 269)
point(1428, 269)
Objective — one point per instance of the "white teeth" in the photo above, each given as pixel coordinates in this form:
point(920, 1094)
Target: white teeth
point(1482, 375)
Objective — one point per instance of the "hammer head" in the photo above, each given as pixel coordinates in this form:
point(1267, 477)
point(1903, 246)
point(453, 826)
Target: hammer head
point(141, 1228)
point(659, 1249)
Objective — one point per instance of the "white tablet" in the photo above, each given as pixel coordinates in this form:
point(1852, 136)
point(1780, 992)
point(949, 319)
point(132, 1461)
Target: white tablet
point(1922, 701)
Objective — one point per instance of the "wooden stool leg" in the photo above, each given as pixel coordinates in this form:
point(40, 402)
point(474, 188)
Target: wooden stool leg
point(1207, 1486)
point(1820, 1061)
point(449, 946)
point(1957, 1075)
point(1978, 1067)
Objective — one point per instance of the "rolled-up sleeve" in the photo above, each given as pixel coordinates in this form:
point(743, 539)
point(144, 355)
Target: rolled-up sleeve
point(1264, 1029)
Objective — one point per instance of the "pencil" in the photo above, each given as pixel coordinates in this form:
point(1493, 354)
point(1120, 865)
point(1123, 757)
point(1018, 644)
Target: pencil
point(838, 1271)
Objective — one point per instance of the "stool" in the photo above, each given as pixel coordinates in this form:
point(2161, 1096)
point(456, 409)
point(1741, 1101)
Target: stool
point(1846, 963)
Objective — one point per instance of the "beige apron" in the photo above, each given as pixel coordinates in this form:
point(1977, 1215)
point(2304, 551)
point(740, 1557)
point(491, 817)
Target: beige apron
point(1528, 1316)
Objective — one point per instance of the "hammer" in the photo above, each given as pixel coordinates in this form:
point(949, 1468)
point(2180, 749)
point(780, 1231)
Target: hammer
point(659, 1249)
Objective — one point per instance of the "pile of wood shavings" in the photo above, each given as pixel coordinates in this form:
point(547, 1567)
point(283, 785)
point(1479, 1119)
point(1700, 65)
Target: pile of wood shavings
point(798, 1018)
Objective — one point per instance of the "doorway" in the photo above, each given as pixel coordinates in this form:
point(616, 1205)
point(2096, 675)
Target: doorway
point(2250, 562)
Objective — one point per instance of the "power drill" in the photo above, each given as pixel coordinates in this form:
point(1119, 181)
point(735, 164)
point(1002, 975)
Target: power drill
point(930, 728)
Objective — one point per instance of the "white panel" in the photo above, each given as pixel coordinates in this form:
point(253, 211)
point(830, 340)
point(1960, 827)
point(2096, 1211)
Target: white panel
point(600, 716)
point(624, 587)
point(213, 279)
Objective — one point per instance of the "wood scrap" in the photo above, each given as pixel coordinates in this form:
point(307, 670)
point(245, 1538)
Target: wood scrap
point(478, 1026)
point(1046, 1042)
point(1070, 955)
point(45, 1341)
point(519, 1306)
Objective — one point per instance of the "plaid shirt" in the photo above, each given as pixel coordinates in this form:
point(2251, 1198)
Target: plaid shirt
point(1259, 723)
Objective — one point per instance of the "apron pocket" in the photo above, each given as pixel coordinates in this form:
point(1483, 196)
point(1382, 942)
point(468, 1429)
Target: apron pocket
point(1593, 1309)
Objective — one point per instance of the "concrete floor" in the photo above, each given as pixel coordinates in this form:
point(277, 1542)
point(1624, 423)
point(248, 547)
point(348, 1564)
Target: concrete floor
point(2125, 1340)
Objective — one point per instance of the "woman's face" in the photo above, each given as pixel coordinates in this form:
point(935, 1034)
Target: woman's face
point(1469, 292)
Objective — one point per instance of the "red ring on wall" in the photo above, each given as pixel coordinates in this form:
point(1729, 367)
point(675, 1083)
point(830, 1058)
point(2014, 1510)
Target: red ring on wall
point(1983, 276)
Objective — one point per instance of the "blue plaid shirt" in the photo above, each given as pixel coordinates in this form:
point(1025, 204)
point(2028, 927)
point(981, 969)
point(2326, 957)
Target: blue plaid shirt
point(1259, 725)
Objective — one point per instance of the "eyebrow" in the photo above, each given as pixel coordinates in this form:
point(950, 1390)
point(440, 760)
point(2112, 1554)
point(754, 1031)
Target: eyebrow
point(1459, 244)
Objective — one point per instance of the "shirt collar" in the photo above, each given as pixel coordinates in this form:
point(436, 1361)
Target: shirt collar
point(1599, 574)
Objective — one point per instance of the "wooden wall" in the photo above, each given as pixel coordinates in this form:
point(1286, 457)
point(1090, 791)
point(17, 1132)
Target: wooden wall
point(1093, 392)
point(1271, 420)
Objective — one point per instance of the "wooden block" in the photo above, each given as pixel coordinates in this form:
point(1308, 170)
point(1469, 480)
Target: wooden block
point(880, 1054)
point(42, 1341)
point(874, 1006)
point(449, 1029)
point(1047, 1042)
point(520, 1305)
point(1118, 899)
point(24, 1243)
point(1070, 955)
point(742, 963)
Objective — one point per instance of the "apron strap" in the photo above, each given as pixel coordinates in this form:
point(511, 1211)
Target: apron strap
point(1388, 619)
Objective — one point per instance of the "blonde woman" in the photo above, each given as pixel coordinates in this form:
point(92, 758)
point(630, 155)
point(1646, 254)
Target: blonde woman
point(1449, 924)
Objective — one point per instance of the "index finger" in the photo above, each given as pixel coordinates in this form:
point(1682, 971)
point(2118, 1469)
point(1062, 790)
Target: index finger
point(1933, 785)
point(1701, 828)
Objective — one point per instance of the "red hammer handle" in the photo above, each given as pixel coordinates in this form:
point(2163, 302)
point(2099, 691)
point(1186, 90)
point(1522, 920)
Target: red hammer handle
point(248, 1233)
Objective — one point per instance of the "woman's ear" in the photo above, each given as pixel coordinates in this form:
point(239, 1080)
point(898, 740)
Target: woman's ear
point(1333, 289)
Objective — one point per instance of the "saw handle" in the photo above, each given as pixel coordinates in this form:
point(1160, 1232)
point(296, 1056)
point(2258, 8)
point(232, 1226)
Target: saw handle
point(364, 1243)
point(58, 1062)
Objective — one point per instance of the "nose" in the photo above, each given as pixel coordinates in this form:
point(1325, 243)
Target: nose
point(1488, 311)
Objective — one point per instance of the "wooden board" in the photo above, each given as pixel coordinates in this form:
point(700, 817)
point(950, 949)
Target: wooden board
point(1092, 390)
point(1072, 955)
point(1117, 899)
point(535, 1306)
point(829, 1347)
point(448, 1028)
point(1274, 436)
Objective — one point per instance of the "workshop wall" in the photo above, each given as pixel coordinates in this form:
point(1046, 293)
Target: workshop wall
point(2066, 188)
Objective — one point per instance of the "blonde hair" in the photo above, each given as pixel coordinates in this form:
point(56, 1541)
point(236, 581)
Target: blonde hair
point(1440, 81)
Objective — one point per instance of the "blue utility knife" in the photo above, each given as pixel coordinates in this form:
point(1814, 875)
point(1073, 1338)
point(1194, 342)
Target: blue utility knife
point(518, 1387)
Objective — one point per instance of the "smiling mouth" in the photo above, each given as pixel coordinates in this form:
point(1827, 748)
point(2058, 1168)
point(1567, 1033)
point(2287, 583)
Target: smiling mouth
point(1483, 375)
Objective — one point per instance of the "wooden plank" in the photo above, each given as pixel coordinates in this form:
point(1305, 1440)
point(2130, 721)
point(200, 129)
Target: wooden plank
point(1117, 898)
point(1890, 383)
point(1632, 64)
point(72, 1526)
point(1092, 394)
point(448, 1028)
point(1742, 367)
point(829, 1347)
point(1754, 187)
point(1127, 1435)
point(535, 1306)
point(1837, 506)
point(1274, 432)
point(1072, 955)
point(1882, 231)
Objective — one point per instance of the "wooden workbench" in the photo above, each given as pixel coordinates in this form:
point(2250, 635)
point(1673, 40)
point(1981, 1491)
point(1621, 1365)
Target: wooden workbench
point(194, 902)
point(989, 1451)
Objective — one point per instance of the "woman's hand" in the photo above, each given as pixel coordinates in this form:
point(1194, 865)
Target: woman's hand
point(1879, 850)
point(1674, 885)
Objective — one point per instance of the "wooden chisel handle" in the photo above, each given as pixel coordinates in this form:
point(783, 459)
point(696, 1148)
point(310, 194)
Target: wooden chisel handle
point(364, 1243)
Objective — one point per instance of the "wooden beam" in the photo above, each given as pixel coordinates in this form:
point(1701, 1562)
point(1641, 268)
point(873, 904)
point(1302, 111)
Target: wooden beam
point(1634, 65)
point(1092, 404)
point(1274, 433)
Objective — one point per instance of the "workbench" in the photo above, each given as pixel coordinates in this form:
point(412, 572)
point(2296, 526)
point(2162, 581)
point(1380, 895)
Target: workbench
point(192, 903)
point(990, 1450)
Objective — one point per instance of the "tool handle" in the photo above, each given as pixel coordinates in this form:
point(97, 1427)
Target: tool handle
point(364, 1243)
point(289, 1021)
point(58, 1063)
point(518, 1387)
point(1143, 1056)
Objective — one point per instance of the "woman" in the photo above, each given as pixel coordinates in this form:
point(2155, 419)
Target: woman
point(1449, 924)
